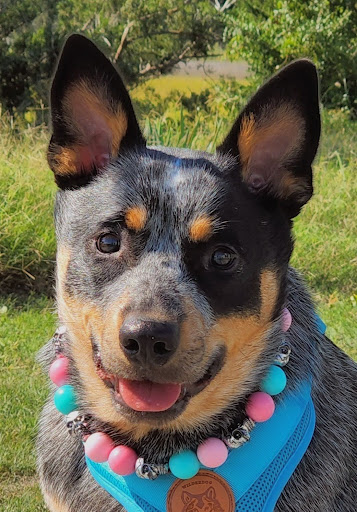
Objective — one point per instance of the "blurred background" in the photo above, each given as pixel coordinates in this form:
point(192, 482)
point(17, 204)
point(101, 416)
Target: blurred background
point(190, 67)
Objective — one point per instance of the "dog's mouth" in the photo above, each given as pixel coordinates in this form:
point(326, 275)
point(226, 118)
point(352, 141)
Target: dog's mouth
point(148, 397)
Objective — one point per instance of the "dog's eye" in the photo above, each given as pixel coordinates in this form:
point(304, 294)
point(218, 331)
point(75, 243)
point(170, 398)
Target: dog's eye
point(108, 243)
point(223, 258)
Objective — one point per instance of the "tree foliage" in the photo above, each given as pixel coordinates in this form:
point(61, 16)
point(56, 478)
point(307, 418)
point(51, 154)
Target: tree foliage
point(269, 34)
point(144, 37)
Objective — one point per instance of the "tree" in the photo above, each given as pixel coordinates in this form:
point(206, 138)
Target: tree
point(144, 37)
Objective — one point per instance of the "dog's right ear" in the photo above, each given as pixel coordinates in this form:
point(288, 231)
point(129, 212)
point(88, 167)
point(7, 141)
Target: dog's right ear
point(92, 115)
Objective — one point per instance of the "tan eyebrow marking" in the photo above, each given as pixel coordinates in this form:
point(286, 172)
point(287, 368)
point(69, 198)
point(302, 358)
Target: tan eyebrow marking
point(136, 217)
point(201, 228)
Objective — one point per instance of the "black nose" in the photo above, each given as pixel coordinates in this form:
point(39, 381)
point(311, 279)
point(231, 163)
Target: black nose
point(147, 342)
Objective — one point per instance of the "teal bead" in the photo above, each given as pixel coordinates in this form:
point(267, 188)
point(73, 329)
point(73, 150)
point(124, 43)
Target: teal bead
point(65, 399)
point(184, 464)
point(275, 381)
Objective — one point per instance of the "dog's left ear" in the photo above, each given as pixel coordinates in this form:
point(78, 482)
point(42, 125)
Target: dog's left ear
point(276, 136)
point(92, 116)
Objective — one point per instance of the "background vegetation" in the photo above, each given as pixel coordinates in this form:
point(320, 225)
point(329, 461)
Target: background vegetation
point(191, 112)
point(144, 37)
point(324, 30)
point(149, 37)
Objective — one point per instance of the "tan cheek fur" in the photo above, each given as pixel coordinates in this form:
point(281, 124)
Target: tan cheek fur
point(79, 318)
point(82, 320)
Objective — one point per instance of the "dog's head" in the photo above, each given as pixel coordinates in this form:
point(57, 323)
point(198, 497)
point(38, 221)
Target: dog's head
point(171, 263)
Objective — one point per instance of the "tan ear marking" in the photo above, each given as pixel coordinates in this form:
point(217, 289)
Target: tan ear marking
point(63, 161)
point(290, 184)
point(82, 102)
point(201, 228)
point(246, 139)
point(136, 217)
point(268, 143)
point(96, 128)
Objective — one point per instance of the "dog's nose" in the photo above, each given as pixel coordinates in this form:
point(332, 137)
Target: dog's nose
point(147, 342)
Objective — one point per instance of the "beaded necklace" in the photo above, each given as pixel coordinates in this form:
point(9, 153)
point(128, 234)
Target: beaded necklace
point(211, 453)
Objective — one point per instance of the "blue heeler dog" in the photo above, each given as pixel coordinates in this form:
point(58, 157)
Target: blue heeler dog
point(173, 281)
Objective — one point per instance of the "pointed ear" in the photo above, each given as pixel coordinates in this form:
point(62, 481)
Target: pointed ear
point(277, 134)
point(92, 115)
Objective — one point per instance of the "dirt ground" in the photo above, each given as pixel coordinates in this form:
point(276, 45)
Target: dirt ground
point(213, 68)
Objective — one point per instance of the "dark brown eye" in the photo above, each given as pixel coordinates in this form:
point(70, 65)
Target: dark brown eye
point(223, 258)
point(108, 243)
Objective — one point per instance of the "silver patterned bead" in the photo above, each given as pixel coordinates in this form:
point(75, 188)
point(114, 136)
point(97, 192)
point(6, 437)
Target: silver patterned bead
point(58, 338)
point(241, 434)
point(283, 355)
point(62, 329)
point(77, 423)
point(149, 471)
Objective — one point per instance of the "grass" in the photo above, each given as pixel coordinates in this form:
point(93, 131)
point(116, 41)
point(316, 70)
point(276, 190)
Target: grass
point(23, 329)
point(26, 196)
point(167, 84)
point(326, 234)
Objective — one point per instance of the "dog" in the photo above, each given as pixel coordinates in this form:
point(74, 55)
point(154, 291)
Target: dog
point(173, 283)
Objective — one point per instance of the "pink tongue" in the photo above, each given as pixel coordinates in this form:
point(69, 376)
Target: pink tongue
point(148, 396)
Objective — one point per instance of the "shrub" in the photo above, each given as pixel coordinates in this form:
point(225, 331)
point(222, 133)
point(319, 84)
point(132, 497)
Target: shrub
point(269, 34)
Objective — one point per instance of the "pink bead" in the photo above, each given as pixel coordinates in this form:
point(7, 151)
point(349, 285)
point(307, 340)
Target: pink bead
point(260, 406)
point(59, 371)
point(122, 460)
point(98, 447)
point(212, 452)
point(286, 320)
